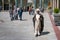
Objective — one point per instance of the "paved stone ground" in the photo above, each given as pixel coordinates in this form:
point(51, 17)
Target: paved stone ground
point(23, 30)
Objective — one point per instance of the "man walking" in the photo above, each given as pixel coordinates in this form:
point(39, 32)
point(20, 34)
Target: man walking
point(11, 14)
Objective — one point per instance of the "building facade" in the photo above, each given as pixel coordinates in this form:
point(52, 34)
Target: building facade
point(36, 3)
point(47, 3)
point(7, 3)
point(56, 4)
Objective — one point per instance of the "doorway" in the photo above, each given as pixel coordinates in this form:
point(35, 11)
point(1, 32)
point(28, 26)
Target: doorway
point(6, 5)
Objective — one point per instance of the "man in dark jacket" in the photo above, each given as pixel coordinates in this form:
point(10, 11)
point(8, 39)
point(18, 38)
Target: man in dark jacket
point(20, 11)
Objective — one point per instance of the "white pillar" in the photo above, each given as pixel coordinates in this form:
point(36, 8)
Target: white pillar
point(53, 4)
point(33, 4)
point(57, 3)
point(3, 5)
point(9, 4)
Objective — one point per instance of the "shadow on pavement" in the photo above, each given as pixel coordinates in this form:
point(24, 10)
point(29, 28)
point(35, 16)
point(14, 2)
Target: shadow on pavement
point(20, 20)
point(23, 19)
point(2, 21)
point(45, 33)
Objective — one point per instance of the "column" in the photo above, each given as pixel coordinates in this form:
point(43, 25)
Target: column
point(53, 4)
point(40, 3)
point(57, 3)
point(3, 5)
point(20, 3)
point(9, 4)
point(43, 3)
point(16, 3)
point(34, 3)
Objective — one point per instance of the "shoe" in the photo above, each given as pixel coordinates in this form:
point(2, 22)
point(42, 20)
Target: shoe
point(20, 19)
point(39, 34)
point(35, 34)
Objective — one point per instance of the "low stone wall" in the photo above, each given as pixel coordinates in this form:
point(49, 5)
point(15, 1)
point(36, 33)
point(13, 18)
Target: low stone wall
point(57, 19)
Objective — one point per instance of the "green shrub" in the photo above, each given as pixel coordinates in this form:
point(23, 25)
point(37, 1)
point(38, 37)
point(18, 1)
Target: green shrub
point(56, 10)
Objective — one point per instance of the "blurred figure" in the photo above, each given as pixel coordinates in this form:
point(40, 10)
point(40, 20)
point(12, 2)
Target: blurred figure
point(15, 13)
point(30, 10)
point(33, 10)
point(11, 14)
point(41, 9)
point(27, 8)
point(50, 10)
point(20, 11)
point(24, 9)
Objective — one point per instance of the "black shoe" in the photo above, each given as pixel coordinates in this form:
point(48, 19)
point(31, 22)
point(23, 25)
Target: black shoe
point(11, 19)
point(20, 19)
point(36, 35)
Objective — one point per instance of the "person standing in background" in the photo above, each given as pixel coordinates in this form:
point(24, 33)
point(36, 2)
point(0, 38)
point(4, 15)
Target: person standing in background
point(20, 11)
point(33, 10)
point(30, 10)
point(15, 13)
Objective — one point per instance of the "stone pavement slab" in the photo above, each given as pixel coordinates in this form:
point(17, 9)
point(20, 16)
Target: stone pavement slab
point(23, 30)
